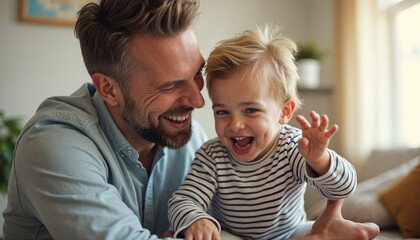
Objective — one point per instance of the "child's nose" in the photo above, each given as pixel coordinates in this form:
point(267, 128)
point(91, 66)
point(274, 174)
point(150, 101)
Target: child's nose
point(237, 123)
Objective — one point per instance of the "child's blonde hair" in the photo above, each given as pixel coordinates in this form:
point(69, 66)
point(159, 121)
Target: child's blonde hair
point(262, 52)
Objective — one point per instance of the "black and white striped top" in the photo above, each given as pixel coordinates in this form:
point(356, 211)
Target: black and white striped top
point(256, 200)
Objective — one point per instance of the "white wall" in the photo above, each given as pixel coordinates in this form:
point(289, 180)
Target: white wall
point(38, 61)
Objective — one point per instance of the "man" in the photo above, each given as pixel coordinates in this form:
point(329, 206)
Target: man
point(103, 162)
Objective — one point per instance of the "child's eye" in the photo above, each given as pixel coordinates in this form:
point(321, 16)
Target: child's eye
point(221, 112)
point(251, 110)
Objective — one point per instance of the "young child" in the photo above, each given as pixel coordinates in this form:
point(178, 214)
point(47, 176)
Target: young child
point(254, 174)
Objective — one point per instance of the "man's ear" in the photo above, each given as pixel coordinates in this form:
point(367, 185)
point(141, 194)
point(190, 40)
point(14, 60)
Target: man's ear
point(287, 112)
point(107, 88)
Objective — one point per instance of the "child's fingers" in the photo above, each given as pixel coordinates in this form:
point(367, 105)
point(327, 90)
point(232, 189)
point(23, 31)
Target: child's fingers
point(215, 236)
point(189, 237)
point(315, 119)
point(304, 124)
point(303, 144)
point(324, 123)
point(331, 131)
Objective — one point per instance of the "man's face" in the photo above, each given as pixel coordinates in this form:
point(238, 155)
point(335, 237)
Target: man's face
point(164, 91)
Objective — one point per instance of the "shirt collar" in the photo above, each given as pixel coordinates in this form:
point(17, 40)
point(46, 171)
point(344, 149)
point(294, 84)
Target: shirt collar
point(118, 142)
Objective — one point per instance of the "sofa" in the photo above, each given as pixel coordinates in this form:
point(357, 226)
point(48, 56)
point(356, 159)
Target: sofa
point(382, 173)
point(388, 194)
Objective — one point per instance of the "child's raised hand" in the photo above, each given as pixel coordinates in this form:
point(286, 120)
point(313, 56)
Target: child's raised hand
point(314, 142)
point(202, 229)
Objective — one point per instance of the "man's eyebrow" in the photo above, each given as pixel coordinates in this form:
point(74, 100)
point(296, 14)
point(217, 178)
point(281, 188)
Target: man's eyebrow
point(181, 80)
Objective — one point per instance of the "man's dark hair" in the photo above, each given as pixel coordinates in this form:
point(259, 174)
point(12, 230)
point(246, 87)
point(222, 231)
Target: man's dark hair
point(106, 29)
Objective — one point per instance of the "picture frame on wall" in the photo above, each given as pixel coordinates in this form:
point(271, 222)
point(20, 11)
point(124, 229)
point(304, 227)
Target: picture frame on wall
point(54, 12)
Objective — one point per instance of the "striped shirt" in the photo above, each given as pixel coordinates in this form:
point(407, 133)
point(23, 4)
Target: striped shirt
point(263, 199)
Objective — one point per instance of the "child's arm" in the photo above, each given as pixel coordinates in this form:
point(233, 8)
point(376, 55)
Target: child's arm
point(187, 211)
point(314, 142)
point(333, 176)
point(188, 205)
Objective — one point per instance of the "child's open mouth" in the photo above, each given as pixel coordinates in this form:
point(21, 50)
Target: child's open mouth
point(242, 144)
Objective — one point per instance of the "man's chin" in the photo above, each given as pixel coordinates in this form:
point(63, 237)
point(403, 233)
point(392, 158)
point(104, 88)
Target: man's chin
point(178, 140)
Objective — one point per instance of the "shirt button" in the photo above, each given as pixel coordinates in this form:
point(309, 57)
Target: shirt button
point(129, 152)
point(122, 154)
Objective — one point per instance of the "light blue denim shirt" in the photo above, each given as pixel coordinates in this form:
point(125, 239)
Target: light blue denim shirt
point(75, 176)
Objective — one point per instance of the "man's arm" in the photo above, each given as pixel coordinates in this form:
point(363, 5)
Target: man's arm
point(331, 225)
point(61, 185)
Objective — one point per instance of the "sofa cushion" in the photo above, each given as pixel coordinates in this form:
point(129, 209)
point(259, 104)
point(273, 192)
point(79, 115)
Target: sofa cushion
point(402, 200)
point(364, 205)
point(381, 160)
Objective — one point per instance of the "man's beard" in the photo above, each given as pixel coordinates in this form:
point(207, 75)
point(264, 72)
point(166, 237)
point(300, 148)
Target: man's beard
point(156, 134)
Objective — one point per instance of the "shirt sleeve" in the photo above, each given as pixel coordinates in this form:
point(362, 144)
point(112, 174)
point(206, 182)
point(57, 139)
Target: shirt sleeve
point(338, 182)
point(191, 201)
point(61, 183)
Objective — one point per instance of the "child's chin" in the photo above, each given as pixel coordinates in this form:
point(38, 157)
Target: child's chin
point(243, 159)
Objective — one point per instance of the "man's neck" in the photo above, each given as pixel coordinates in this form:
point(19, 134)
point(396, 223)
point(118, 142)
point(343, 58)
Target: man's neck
point(146, 157)
point(146, 149)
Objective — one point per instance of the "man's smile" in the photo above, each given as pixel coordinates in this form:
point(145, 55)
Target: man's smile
point(177, 118)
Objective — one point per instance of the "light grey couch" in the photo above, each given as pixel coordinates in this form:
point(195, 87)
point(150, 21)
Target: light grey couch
point(383, 169)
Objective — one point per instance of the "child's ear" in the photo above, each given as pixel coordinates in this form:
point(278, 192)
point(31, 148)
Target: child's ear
point(287, 112)
point(107, 88)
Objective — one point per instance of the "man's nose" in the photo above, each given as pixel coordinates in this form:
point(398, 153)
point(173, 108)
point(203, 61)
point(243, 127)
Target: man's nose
point(192, 95)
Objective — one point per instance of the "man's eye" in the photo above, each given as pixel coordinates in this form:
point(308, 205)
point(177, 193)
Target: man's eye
point(167, 89)
point(199, 80)
point(199, 75)
point(171, 87)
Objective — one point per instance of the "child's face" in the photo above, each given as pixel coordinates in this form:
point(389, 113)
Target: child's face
point(246, 114)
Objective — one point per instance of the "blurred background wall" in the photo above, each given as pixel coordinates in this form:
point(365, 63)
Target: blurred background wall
point(38, 61)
